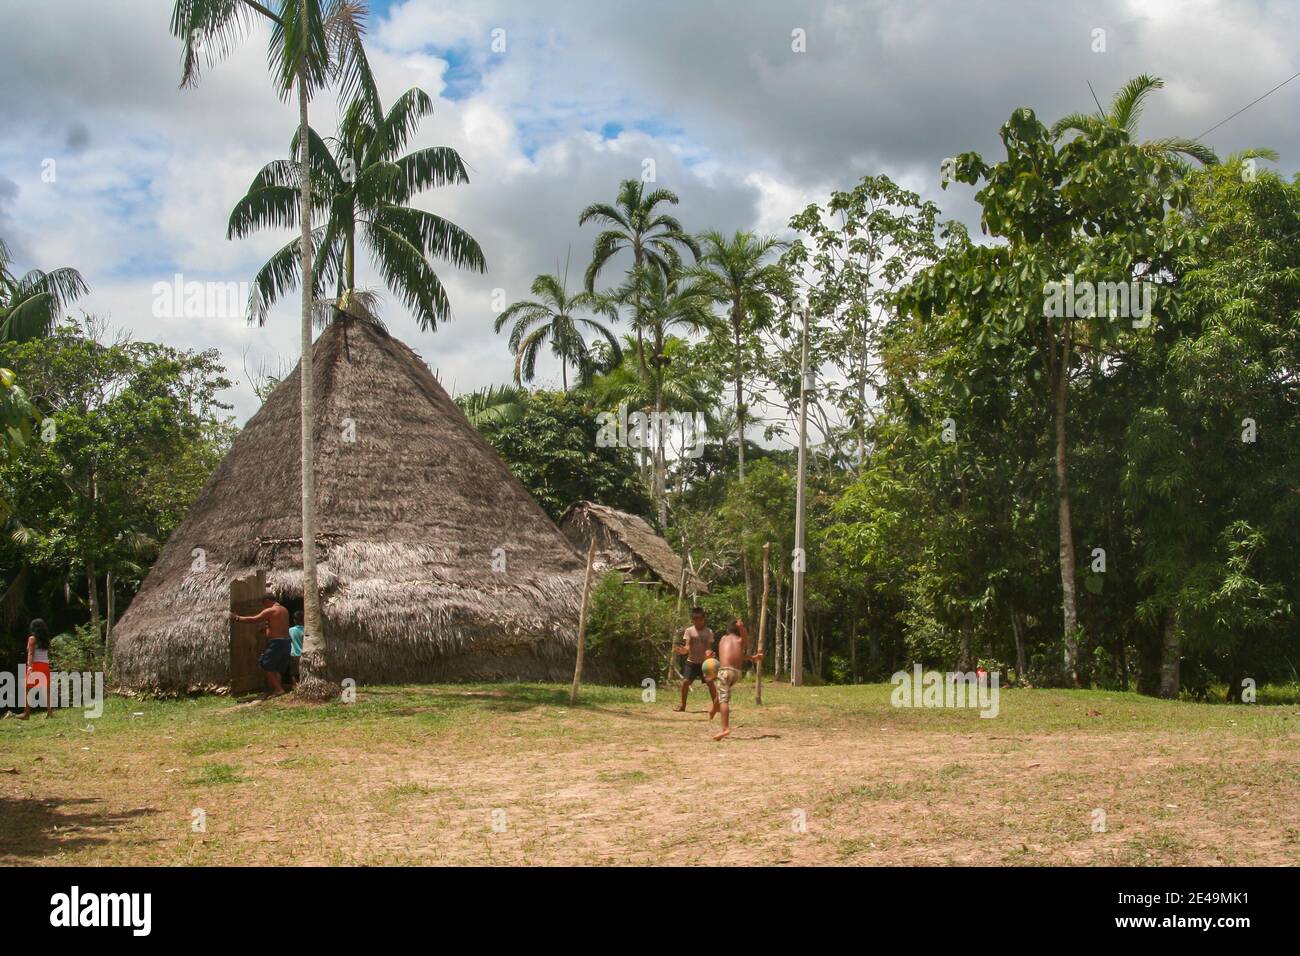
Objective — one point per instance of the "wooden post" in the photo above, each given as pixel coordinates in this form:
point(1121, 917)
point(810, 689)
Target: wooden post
point(762, 631)
point(582, 624)
point(672, 638)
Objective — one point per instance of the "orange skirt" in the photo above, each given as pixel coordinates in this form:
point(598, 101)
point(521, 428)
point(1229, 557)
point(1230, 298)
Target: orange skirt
point(38, 675)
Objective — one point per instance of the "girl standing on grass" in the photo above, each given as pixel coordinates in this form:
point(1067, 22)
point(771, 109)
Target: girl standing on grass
point(38, 668)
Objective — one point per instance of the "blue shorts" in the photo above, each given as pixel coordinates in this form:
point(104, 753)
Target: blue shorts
point(276, 656)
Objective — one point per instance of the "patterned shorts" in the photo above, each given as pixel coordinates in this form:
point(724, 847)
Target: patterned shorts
point(726, 677)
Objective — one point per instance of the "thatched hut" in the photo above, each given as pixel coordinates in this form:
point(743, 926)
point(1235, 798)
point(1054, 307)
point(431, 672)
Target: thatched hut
point(627, 544)
point(435, 563)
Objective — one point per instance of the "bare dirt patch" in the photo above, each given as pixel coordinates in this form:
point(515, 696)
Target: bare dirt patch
point(500, 780)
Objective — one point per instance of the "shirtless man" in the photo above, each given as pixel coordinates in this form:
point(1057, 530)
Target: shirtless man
point(274, 617)
point(696, 646)
point(731, 655)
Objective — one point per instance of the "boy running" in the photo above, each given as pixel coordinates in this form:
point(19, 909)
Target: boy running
point(696, 646)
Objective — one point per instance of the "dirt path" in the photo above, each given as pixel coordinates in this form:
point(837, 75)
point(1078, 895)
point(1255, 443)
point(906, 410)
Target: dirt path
point(632, 785)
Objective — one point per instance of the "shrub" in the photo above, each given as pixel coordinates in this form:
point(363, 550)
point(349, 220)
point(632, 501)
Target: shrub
point(79, 651)
point(629, 627)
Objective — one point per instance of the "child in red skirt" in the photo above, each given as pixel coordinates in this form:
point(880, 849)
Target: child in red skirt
point(38, 669)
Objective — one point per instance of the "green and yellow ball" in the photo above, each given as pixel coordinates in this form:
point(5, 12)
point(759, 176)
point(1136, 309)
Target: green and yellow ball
point(710, 668)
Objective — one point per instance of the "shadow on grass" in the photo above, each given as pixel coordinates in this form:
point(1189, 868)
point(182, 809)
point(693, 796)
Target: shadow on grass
point(35, 828)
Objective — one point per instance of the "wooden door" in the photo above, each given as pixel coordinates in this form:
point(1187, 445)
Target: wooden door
point(247, 641)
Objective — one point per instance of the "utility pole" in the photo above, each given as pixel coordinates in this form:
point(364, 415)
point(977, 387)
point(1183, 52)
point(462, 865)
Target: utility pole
point(806, 384)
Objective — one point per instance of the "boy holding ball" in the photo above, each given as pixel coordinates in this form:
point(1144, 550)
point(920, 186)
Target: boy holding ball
point(732, 656)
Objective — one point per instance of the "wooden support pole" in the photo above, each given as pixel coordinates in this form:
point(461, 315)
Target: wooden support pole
point(762, 631)
point(672, 637)
point(582, 624)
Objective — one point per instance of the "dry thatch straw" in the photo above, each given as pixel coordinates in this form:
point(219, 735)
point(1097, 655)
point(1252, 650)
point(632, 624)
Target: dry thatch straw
point(413, 507)
point(627, 544)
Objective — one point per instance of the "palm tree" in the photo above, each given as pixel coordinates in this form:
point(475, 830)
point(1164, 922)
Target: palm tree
point(552, 317)
point(494, 405)
point(363, 185)
point(734, 274)
point(676, 385)
point(312, 42)
point(1123, 115)
point(30, 304)
point(633, 224)
point(661, 304)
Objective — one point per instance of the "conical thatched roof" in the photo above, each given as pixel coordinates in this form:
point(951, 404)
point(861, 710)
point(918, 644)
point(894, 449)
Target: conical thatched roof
point(413, 507)
point(626, 543)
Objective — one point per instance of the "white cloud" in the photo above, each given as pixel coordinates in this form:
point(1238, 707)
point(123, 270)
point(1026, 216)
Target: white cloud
point(745, 130)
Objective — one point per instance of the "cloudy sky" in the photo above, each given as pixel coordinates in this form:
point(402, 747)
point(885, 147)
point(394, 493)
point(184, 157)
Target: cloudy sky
point(745, 128)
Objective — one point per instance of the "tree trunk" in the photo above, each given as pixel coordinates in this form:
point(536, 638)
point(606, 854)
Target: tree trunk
point(762, 628)
point(862, 410)
point(108, 618)
point(737, 324)
point(1069, 601)
point(1170, 654)
point(1017, 626)
point(316, 683)
point(853, 651)
point(92, 599)
point(964, 648)
point(778, 634)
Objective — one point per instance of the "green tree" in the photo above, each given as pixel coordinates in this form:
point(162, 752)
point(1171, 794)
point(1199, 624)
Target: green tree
point(1087, 215)
point(494, 405)
point(130, 431)
point(738, 274)
point(551, 448)
point(30, 304)
point(634, 224)
point(1211, 445)
point(362, 183)
point(552, 317)
point(1122, 117)
point(858, 251)
point(661, 305)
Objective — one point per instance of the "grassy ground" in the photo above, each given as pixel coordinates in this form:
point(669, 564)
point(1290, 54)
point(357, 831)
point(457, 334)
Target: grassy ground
point(500, 774)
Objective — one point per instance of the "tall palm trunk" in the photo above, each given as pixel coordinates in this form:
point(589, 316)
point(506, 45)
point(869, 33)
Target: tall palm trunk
point(660, 457)
point(1069, 601)
point(737, 323)
point(737, 319)
point(315, 674)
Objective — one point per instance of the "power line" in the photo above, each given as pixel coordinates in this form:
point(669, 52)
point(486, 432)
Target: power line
point(1248, 105)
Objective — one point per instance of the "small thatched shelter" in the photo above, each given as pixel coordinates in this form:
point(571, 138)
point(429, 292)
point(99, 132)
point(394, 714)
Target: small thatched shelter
point(435, 563)
point(627, 544)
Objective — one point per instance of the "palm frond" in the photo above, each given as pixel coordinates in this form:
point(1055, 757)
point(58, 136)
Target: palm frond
point(210, 30)
point(407, 272)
